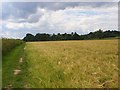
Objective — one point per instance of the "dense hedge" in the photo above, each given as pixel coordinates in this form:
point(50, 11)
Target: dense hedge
point(9, 44)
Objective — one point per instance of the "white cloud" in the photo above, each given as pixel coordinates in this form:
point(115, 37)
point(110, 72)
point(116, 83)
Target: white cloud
point(12, 25)
point(79, 19)
point(8, 34)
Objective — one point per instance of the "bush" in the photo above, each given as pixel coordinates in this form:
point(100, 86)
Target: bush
point(9, 44)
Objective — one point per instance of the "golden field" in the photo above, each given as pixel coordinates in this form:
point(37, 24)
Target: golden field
point(72, 64)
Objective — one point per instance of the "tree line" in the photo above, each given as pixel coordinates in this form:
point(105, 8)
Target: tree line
point(100, 34)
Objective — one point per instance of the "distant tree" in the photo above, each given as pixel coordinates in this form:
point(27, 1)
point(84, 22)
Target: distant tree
point(37, 37)
point(76, 36)
point(64, 36)
point(58, 36)
point(29, 37)
point(72, 34)
point(100, 34)
point(42, 37)
point(53, 37)
point(69, 37)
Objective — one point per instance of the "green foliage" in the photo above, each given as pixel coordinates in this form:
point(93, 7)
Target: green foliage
point(9, 44)
point(73, 36)
point(29, 37)
point(11, 62)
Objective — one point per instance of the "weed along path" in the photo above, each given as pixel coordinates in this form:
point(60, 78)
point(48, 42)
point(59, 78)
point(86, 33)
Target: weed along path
point(13, 68)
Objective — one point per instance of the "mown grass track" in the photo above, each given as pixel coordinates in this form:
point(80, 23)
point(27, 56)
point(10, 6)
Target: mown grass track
point(10, 62)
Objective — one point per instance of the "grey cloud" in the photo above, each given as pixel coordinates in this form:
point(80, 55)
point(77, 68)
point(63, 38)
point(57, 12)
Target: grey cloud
point(24, 9)
point(25, 19)
point(33, 18)
point(17, 10)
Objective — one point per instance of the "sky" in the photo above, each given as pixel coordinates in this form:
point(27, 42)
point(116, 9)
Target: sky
point(20, 18)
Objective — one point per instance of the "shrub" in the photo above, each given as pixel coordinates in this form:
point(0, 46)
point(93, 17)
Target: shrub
point(9, 44)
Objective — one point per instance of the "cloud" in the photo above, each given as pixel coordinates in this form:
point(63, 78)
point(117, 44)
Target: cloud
point(62, 17)
point(24, 9)
point(14, 25)
point(71, 19)
point(17, 10)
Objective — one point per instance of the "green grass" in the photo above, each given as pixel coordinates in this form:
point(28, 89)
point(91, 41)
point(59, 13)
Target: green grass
point(11, 62)
point(9, 44)
point(72, 64)
point(63, 64)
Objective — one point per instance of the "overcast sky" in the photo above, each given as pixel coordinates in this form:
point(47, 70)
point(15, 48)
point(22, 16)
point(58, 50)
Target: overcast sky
point(19, 18)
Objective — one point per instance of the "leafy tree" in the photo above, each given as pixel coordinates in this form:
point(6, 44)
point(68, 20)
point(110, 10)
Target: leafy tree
point(42, 37)
point(29, 37)
point(76, 36)
point(100, 34)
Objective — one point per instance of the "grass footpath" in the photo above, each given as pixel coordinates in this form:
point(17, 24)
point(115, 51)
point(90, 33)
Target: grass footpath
point(10, 62)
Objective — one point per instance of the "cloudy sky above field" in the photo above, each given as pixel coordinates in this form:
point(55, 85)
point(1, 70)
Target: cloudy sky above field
point(19, 18)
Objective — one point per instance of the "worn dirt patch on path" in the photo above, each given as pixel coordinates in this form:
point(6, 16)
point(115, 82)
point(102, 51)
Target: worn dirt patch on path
point(21, 60)
point(17, 71)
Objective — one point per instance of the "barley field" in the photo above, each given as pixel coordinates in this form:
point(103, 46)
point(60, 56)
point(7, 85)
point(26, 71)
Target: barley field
point(72, 64)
